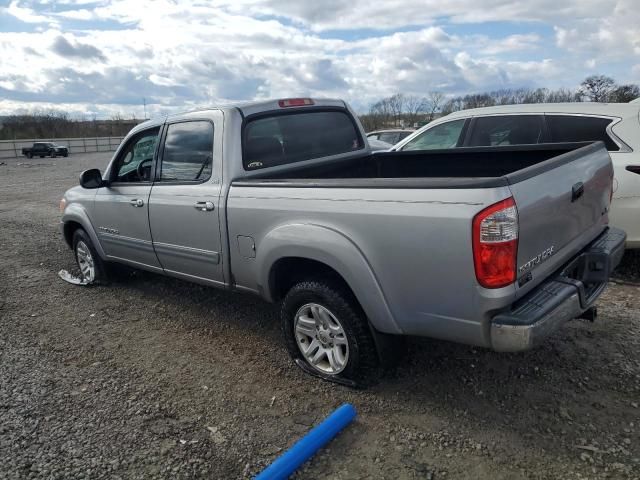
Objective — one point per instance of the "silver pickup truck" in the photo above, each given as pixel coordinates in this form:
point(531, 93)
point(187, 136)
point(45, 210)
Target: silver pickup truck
point(490, 246)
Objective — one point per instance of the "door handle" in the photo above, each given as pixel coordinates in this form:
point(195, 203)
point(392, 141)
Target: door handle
point(136, 202)
point(204, 206)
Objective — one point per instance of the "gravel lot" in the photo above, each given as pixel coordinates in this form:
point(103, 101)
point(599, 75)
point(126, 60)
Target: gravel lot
point(157, 378)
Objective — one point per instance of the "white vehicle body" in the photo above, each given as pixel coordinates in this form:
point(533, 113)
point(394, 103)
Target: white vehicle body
point(623, 141)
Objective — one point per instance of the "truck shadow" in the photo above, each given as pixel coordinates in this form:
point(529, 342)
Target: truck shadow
point(571, 350)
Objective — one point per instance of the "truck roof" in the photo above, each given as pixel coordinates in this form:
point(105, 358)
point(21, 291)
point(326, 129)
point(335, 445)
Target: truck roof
point(245, 108)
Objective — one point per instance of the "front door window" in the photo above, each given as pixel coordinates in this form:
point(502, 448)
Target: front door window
point(133, 164)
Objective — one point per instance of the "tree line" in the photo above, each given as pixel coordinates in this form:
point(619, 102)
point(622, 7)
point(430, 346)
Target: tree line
point(398, 110)
point(401, 110)
point(56, 124)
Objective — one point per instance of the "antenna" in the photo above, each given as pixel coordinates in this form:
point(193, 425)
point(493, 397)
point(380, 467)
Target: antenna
point(144, 103)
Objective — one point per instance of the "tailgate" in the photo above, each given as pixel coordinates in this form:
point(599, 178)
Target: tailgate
point(562, 205)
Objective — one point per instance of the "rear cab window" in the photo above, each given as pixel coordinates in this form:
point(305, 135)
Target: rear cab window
point(283, 138)
point(577, 128)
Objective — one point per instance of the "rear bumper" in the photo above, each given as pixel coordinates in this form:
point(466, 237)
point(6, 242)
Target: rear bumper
point(563, 297)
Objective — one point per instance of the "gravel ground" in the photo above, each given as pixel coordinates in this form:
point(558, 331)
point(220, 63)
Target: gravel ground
point(157, 378)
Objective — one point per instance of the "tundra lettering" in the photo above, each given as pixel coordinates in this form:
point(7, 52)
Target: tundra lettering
point(541, 257)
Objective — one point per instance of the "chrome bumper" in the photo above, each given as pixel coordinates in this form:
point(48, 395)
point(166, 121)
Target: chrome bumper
point(563, 297)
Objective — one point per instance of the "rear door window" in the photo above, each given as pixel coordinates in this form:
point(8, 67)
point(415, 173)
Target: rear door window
point(445, 135)
point(295, 137)
point(188, 152)
point(507, 130)
point(574, 128)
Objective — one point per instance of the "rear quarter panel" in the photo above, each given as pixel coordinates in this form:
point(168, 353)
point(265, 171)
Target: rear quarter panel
point(416, 243)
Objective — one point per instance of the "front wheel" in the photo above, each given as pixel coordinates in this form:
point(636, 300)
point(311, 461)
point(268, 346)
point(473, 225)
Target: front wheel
point(91, 266)
point(327, 332)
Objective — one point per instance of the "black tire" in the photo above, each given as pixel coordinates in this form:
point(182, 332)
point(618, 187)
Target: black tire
point(362, 367)
point(100, 275)
point(65, 154)
point(41, 156)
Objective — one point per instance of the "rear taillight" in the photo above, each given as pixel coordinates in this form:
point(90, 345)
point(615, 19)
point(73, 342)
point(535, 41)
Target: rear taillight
point(495, 244)
point(294, 102)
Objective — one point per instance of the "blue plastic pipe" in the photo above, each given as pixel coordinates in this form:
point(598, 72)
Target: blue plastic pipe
point(307, 446)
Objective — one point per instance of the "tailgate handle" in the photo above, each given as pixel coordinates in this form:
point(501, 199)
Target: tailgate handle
point(576, 191)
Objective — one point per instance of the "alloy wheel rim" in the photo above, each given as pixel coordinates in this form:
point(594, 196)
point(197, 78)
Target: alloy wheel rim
point(321, 339)
point(85, 261)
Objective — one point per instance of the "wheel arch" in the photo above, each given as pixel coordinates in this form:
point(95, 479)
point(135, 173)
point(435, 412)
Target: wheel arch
point(76, 217)
point(320, 251)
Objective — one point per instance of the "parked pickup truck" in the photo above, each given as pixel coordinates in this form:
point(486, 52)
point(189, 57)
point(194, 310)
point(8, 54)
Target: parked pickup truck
point(45, 149)
point(488, 246)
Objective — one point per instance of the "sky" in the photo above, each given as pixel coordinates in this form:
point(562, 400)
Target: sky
point(105, 58)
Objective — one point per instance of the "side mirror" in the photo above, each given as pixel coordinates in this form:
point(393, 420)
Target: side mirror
point(91, 179)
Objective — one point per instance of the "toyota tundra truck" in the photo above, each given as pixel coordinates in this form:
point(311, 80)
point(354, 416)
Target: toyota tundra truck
point(490, 246)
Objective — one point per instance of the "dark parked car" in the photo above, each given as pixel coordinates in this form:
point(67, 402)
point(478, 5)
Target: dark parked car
point(45, 149)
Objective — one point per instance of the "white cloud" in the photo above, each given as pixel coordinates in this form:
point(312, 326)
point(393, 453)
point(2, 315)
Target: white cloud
point(512, 43)
point(25, 14)
point(81, 14)
point(612, 36)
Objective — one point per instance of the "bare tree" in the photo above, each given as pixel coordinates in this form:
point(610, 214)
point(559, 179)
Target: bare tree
point(597, 87)
point(411, 108)
point(625, 93)
point(414, 108)
point(396, 105)
point(563, 95)
point(44, 124)
point(434, 103)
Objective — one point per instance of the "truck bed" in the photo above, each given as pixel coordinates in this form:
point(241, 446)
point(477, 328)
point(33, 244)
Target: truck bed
point(450, 168)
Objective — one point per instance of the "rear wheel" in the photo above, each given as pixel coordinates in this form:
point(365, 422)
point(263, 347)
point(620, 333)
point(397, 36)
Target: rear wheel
point(91, 266)
point(326, 330)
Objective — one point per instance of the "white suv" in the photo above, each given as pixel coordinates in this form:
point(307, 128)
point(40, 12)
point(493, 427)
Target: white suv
point(616, 124)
